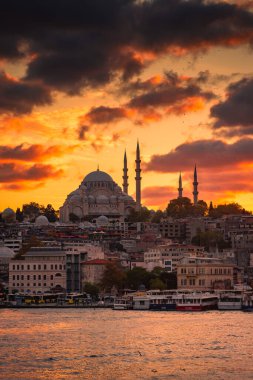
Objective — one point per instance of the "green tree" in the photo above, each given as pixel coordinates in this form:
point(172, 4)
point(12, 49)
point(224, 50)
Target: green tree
point(139, 216)
point(228, 209)
point(32, 210)
point(158, 215)
point(91, 289)
point(50, 213)
point(114, 276)
point(179, 207)
point(26, 246)
point(19, 215)
point(210, 239)
point(157, 283)
point(136, 277)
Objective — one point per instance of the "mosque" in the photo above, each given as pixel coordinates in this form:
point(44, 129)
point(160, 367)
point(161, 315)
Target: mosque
point(98, 195)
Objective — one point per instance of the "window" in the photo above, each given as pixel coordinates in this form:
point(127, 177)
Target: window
point(28, 277)
point(17, 267)
point(34, 267)
point(28, 267)
point(45, 277)
point(55, 267)
point(34, 276)
point(39, 266)
point(28, 284)
point(39, 284)
point(18, 277)
point(45, 284)
point(34, 284)
point(13, 267)
point(39, 277)
point(52, 267)
point(45, 266)
point(51, 277)
point(22, 277)
point(22, 267)
point(60, 267)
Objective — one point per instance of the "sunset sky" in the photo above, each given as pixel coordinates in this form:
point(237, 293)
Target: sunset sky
point(82, 80)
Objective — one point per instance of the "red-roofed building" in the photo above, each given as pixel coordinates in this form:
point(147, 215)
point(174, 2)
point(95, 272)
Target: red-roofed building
point(92, 271)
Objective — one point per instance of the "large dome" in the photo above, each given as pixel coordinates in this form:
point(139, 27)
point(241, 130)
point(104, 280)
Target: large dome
point(98, 176)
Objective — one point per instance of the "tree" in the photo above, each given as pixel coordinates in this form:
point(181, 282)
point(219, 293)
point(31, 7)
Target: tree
point(157, 283)
point(136, 277)
point(32, 210)
point(91, 289)
point(32, 242)
point(50, 213)
point(179, 207)
point(114, 276)
point(227, 209)
point(210, 239)
point(139, 216)
point(19, 215)
point(158, 215)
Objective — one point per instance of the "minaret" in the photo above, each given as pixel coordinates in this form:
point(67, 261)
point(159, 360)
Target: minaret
point(138, 178)
point(180, 188)
point(125, 176)
point(195, 187)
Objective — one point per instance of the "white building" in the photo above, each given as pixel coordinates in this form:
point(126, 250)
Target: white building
point(41, 270)
point(168, 255)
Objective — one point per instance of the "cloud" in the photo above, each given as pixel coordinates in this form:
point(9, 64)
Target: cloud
point(153, 99)
point(74, 45)
point(206, 153)
point(36, 152)
point(104, 115)
point(20, 97)
point(158, 195)
point(10, 172)
point(21, 186)
point(82, 132)
point(235, 113)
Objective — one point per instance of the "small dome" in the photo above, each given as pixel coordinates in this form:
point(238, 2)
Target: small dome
point(113, 199)
point(102, 221)
point(8, 213)
point(97, 176)
point(75, 198)
point(102, 199)
point(6, 252)
point(41, 221)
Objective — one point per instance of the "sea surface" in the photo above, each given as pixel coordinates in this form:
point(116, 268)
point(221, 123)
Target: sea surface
point(107, 344)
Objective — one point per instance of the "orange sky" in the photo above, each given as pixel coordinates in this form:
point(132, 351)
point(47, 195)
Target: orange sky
point(77, 94)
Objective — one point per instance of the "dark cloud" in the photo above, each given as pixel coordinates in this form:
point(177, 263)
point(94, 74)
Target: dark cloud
point(82, 131)
point(36, 152)
point(104, 115)
point(236, 110)
point(10, 172)
point(19, 97)
point(206, 153)
point(76, 44)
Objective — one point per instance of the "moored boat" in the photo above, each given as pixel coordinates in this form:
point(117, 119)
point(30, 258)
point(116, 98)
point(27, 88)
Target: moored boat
point(230, 300)
point(196, 301)
point(247, 304)
point(123, 303)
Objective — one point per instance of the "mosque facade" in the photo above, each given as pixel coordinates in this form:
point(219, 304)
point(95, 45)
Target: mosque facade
point(98, 195)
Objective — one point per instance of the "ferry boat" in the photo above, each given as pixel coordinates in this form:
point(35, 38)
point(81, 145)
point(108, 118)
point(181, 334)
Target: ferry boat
point(196, 301)
point(247, 304)
point(141, 301)
point(123, 303)
point(162, 300)
point(230, 300)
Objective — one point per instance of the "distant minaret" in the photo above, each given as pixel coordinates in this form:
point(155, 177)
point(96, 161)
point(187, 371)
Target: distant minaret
point(195, 187)
point(180, 188)
point(125, 176)
point(138, 178)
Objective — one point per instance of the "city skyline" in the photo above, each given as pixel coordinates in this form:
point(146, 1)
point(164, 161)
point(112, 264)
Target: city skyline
point(79, 89)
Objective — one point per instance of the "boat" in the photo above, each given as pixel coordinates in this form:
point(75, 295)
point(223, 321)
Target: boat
point(162, 300)
point(196, 301)
point(122, 303)
point(141, 301)
point(247, 304)
point(230, 300)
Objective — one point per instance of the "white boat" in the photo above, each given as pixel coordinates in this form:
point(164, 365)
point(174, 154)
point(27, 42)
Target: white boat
point(123, 303)
point(196, 301)
point(162, 300)
point(230, 300)
point(141, 301)
point(248, 302)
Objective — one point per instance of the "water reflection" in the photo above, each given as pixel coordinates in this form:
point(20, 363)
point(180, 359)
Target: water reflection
point(107, 344)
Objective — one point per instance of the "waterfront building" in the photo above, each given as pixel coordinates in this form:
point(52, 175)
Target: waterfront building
point(42, 269)
point(6, 254)
point(204, 273)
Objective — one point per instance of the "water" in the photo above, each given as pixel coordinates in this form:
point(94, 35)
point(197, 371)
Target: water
point(106, 344)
